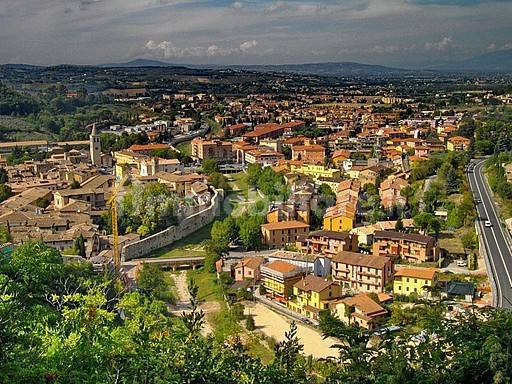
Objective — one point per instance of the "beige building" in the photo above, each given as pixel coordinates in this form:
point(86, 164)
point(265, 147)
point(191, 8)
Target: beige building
point(411, 247)
point(360, 310)
point(221, 151)
point(362, 273)
point(248, 268)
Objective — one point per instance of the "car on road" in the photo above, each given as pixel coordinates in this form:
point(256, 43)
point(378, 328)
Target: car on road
point(462, 263)
point(488, 224)
point(478, 201)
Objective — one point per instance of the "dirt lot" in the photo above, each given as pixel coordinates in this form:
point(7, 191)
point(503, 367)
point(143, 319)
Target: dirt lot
point(275, 325)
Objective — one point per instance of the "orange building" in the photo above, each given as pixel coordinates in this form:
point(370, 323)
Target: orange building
point(277, 235)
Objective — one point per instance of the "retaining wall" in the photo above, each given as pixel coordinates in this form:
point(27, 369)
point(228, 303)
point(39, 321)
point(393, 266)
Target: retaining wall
point(168, 236)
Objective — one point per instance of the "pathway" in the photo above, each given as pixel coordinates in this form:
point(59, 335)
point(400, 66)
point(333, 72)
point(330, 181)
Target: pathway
point(183, 301)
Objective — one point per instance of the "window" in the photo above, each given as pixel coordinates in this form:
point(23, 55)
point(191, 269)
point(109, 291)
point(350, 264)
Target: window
point(415, 280)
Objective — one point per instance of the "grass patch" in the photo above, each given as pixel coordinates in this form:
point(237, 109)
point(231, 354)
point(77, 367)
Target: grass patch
point(208, 288)
point(257, 348)
point(189, 246)
point(476, 279)
point(225, 323)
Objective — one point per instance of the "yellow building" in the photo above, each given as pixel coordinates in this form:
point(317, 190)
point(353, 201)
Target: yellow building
point(414, 281)
point(312, 294)
point(279, 277)
point(341, 217)
point(315, 171)
point(457, 144)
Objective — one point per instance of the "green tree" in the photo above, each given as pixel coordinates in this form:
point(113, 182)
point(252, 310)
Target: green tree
point(152, 280)
point(210, 166)
point(79, 245)
point(5, 192)
point(4, 177)
point(250, 231)
point(249, 323)
point(74, 185)
point(399, 225)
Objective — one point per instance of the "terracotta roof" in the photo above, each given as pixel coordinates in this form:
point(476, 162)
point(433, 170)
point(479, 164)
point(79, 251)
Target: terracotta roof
point(359, 259)
point(345, 153)
point(459, 139)
point(253, 262)
point(281, 266)
point(313, 283)
point(383, 297)
point(147, 147)
point(365, 305)
point(285, 225)
point(308, 148)
point(414, 237)
point(420, 273)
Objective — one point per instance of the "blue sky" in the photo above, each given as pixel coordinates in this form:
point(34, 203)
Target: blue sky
point(405, 33)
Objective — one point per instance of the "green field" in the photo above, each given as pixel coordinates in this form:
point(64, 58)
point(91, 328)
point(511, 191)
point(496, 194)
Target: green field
point(190, 245)
point(19, 129)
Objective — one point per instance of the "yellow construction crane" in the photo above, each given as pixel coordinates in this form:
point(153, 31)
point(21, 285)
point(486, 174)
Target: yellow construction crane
point(115, 229)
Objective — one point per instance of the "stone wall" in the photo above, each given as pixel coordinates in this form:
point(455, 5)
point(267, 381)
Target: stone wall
point(168, 236)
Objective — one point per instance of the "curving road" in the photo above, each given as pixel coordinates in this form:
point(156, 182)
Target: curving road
point(495, 239)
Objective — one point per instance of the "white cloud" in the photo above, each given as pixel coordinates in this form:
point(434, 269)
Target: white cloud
point(248, 45)
point(384, 49)
point(167, 49)
point(276, 7)
point(238, 5)
point(444, 44)
point(491, 47)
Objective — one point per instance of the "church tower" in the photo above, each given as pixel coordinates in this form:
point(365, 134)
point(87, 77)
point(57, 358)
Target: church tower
point(95, 147)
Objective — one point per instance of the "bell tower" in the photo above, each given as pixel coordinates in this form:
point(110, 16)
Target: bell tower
point(95, 146)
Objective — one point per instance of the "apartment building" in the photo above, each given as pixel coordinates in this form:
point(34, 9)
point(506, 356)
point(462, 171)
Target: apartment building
point(220, 151)
point(362, 273)
point(416, 281)
point(330, 243)
point(279, 234)
point(342, 216)
point(411, 247)
point(263, 156)
point(315, 171)
point(457, 144)
point(278, 278)
point(390, 192)
point(309, 153)
point(312, 294)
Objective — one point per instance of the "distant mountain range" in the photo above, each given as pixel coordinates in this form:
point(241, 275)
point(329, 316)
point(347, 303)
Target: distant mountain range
point(492, 62)
point(348, 69)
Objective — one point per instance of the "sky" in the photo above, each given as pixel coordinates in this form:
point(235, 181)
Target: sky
point(401, 33)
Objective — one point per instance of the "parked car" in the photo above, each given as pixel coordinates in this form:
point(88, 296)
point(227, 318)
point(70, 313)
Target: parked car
point(462, 263)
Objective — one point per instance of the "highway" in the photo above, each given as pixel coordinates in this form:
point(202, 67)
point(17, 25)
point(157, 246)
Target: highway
point(495, 239)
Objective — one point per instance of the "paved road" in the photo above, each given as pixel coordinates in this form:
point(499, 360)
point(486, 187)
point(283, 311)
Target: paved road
point(495, 239)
